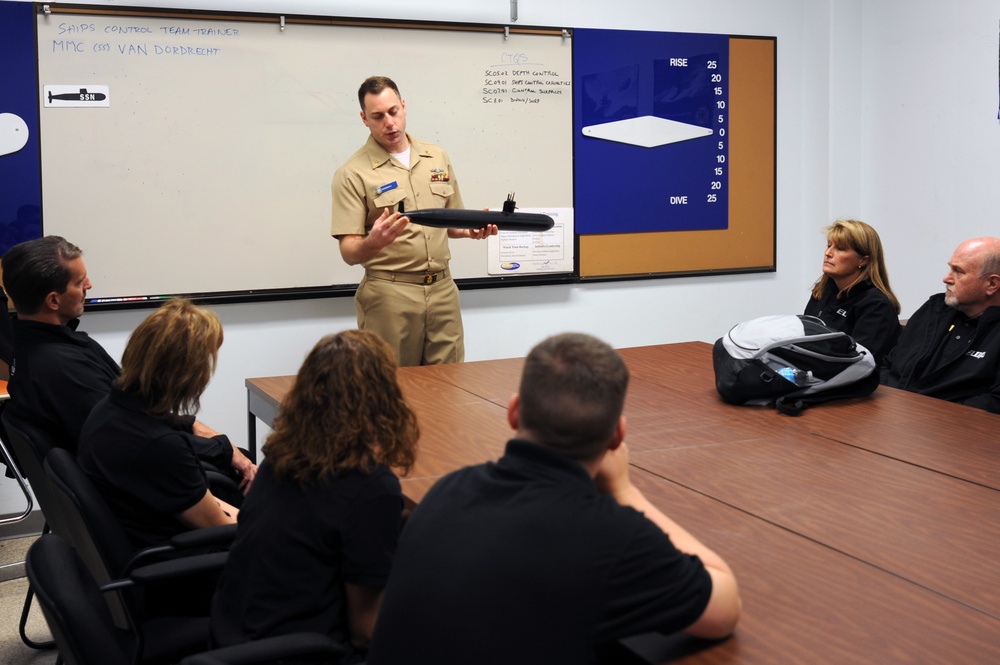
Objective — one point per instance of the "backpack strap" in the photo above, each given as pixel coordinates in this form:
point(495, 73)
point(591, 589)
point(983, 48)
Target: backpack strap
point(791, 406)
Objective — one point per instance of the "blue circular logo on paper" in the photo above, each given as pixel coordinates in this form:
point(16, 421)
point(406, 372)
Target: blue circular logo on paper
point(510, 265)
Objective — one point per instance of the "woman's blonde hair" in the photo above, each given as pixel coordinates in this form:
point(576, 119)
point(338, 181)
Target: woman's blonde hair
point(170, 358)
point(344, 412)
point(863, 239)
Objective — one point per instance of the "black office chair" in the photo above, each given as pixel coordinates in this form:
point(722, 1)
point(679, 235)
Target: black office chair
point(63, 516)
point(103, 545)
point(14, 472)
point(30, 446)
point(86, 634)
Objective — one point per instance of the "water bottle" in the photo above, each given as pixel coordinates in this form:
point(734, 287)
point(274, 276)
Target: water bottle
point(797, 376)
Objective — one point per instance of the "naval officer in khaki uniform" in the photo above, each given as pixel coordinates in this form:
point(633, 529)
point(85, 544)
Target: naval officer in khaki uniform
point(407, 295)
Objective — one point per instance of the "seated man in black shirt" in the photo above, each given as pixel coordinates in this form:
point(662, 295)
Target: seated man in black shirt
point(551, 551)
point(60, 373)
point(950, 347)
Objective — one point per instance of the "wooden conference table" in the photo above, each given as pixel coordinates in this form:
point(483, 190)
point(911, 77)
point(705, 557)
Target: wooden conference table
point(863, 531)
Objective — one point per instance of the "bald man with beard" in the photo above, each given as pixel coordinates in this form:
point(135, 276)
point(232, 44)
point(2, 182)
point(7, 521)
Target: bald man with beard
point(950, 347)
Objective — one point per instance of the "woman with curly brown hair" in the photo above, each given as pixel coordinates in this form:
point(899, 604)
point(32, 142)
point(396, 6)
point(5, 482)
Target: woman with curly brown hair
point(318, 530)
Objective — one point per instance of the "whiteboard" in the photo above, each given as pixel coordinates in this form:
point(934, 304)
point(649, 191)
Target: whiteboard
point(207, 167)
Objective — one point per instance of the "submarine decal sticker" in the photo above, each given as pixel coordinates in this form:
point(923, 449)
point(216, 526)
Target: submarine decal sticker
point(78, 96)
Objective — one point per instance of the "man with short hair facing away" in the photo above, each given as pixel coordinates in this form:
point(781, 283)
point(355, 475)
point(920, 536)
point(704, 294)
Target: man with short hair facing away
point(950, 347)
point(551, 551)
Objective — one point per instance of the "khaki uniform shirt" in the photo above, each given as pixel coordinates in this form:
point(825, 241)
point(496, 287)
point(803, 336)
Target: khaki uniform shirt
point(372, 180)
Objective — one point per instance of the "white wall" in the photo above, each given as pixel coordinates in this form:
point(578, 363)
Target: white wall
point(886, 111)
point(930, 156)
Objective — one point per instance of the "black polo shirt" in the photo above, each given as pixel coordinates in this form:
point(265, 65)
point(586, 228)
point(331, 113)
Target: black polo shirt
point(297, 545)
point(523, 561)
point(146, 470)
point(58, 375)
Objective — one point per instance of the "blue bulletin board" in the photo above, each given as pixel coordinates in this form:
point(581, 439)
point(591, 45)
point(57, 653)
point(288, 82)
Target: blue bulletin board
point(650, 131)
point(674, 153)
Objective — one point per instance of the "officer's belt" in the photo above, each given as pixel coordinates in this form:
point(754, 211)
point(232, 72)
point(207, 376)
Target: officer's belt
point(425, 278)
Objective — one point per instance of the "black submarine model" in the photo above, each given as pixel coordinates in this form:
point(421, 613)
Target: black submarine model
point(505, 220)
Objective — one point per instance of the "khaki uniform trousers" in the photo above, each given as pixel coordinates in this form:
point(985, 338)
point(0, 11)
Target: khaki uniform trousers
point(423, 323)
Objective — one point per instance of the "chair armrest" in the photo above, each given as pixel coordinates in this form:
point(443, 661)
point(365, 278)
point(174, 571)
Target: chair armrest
point(180, 567)
point(212, 536)
point(217, 537)
point(270, 649)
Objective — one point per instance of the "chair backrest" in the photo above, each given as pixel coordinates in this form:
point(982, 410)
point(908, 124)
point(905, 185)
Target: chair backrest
point(92, 528)
point(31, 445)
point(71, 601)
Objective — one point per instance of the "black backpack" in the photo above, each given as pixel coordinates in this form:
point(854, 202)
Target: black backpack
point(791, 361)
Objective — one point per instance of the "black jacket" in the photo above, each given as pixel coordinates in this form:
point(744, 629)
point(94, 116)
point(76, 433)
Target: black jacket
point(864, 313)
point(969, 375)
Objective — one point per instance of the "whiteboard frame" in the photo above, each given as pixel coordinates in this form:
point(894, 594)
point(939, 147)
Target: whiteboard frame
point(465, 276)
